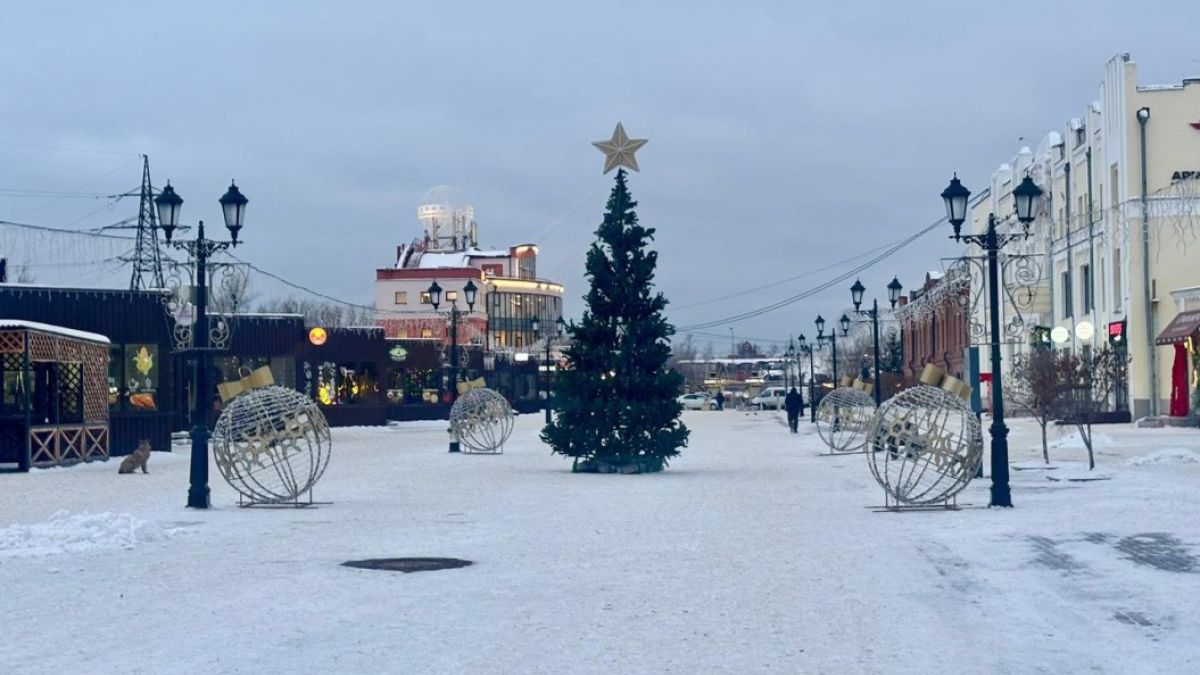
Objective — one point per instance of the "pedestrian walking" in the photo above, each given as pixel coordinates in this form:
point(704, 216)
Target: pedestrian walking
point(793, 403)
point(720, 400)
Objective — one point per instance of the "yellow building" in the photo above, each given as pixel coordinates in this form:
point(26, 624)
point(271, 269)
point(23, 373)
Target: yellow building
point(1114, 241)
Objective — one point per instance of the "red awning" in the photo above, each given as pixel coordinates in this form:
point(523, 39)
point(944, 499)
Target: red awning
point(1182, 327)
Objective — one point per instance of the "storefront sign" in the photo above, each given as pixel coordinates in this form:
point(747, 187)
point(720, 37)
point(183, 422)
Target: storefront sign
point(317, 336)
point(1116, 333)
point(398, 353)
point(1184, 175)
point(1060, 334)
point(1084, 330)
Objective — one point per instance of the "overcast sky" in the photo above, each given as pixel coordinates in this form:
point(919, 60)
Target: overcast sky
point(784, 136)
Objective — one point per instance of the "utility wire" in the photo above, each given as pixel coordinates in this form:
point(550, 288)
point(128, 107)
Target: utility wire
point(817, 289)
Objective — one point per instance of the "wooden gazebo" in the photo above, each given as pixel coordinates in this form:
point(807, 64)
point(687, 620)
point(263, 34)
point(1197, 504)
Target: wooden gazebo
point(54, 402)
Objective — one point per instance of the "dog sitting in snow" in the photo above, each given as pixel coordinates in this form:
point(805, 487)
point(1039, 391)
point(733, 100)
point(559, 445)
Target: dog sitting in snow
point(138, 458)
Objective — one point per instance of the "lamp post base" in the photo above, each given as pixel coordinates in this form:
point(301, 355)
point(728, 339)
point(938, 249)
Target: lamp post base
point(198, 492)
point(198, 497)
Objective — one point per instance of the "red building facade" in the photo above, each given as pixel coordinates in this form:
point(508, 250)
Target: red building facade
point(934, 326)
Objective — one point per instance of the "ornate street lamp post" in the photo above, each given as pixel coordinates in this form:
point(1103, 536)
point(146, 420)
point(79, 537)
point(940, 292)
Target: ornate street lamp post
point(787, 364)
point(1025, 197)
point(559, 327)
point(822, 338)
point(856, 294)
point(806, 348)
point(435, 299)
point(233, 206)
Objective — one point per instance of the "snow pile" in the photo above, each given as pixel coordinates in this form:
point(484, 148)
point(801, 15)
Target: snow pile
point(1165, 456)
point(66, 532)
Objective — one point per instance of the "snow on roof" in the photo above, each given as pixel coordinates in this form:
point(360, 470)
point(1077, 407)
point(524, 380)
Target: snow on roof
point(434, 260)
point(57, 330)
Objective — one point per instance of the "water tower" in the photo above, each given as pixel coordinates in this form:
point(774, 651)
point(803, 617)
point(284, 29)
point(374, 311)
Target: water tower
point(449, 222)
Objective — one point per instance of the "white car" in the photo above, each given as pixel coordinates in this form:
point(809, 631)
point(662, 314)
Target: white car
point(771, 397)
point(697, 402)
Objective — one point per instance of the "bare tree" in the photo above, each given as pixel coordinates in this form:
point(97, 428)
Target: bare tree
point(233, 293)
point(1090, 379)
point(1037, 387)
point(320, 312)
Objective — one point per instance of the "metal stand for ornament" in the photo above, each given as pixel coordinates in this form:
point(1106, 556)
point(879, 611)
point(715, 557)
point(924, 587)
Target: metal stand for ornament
point(842, 420)
point(924, 446)
point(481, 420)
point(272, 445)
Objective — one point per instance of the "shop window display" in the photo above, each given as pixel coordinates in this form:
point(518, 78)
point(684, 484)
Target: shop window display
point(141, 376)
point(413, 386)
point(346, 383)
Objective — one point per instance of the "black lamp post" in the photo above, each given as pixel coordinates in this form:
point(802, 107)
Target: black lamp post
point(856, 294)
point(435, 299)
point(822, 338)
point(812, 377)
point(787, 364)
point(535, 326)
point(233, 206)
point(1025, 198)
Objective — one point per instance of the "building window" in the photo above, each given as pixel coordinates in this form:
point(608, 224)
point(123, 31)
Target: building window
point(933, 335)
point(401, 297)
point(426, 332)
point(425, 299)
point(1118, 295)
point(1103, 287)
point(1086, 277)
point(1068, 310)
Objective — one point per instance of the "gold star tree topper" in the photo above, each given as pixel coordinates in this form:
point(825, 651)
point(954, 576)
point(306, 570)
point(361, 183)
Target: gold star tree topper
point(618, 151)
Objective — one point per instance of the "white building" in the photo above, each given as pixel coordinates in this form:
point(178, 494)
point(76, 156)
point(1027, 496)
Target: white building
point(509, 293)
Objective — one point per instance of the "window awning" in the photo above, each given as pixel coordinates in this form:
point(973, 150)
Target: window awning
point(1182, 327)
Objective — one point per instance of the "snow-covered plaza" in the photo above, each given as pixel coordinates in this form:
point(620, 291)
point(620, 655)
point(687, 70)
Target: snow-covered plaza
point(751, 553)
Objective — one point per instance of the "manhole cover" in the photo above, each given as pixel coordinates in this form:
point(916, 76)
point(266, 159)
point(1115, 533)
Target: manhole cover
point(408, 564)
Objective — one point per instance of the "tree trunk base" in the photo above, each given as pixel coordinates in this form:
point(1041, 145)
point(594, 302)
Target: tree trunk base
point(627, 466)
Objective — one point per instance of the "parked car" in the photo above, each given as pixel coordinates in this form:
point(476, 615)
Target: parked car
point(697, 402)
point(771, 397)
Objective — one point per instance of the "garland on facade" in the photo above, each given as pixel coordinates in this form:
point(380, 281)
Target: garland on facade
point(945, 293)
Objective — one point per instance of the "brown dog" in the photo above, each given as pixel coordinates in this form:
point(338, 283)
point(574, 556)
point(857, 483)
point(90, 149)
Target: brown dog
point(138, 458)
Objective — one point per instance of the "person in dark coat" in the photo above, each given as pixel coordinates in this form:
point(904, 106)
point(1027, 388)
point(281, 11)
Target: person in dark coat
point(793, 403)
point(720, 400)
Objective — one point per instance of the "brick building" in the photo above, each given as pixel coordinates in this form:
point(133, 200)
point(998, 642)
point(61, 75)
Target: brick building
point(933, 326)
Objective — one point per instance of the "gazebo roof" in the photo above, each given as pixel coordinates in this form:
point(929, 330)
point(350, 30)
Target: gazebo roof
point(10, 324)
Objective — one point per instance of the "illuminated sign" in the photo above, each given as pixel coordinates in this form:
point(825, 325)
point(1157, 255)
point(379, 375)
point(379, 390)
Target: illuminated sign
point(317, 336)
point(397, 353)
point(1084, 330)
point(1060, 334)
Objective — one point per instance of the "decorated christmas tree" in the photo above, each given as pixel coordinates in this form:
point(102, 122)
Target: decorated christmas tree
point(615, 400)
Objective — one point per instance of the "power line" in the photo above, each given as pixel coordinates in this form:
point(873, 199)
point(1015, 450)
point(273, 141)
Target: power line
point(67, 149)
point(787, 280)
point(817, 289)
point(61, 230)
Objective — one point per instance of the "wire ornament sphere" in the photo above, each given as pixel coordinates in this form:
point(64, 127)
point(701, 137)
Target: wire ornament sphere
point(271, 445)
point(924, 446)
point(843, 418)
point(481, 420)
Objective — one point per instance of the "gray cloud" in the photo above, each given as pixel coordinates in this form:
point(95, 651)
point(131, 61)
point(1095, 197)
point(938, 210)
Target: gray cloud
point(783, 136)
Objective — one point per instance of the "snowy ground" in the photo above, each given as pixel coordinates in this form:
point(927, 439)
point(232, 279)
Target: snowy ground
point(751, 553)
